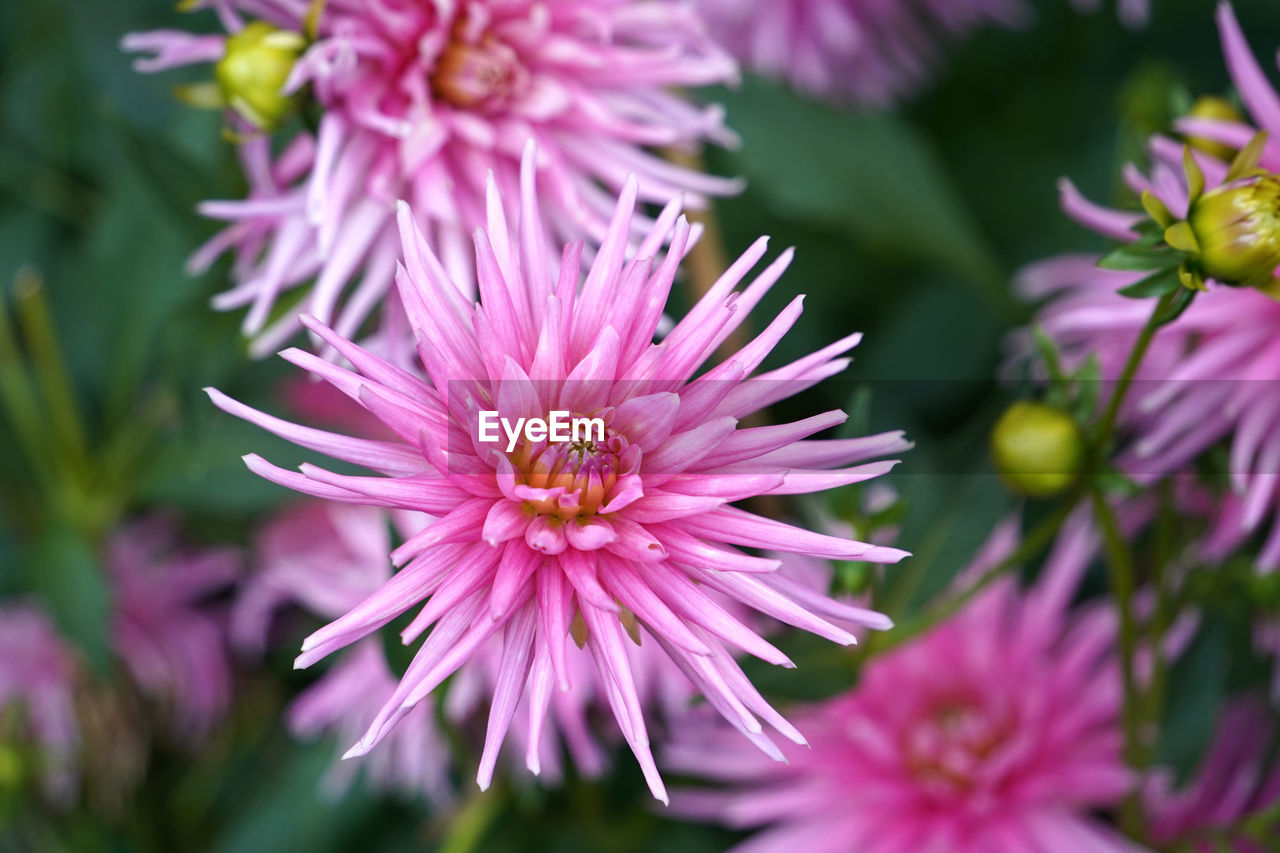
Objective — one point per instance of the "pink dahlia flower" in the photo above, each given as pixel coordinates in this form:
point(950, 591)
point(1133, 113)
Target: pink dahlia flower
point(171, 641)
point(996, 732)
point(421, 101)
point(550, 543)
point(1209, 376)
point(869, 51)
point(37, 683)
point(1236, 779)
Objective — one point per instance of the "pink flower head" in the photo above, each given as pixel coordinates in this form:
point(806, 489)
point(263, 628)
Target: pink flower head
point(1235, 781)
point(37, 681)
point(421, 101)
point(870, 51)
point(1208, 376)
point(173, 645)
point(995, 731)
point(542, 540)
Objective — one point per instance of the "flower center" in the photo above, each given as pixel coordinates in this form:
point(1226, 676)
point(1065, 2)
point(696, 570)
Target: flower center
point(478, 76)
point(573, 478)
point(946, 749)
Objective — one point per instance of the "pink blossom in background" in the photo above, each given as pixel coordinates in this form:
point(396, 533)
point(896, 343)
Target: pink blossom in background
point(995, 732)
point(1237, 778)
point(1211, 374)
point(173, 644)
point(37, 683)
point(552, 541)
point(421, 101)
point(867, 51)
point(326, 559)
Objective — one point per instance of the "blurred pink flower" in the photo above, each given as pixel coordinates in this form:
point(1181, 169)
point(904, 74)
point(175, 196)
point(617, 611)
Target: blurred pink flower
point(173, 646)
point(1211, 375)
point(421, 101)
point(1237, 778)
point(550, 539)
point(869, 51)
point(997, 730)
point(37, 682)
point(327, 559)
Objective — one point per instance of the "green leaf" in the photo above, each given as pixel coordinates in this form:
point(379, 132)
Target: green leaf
point(1157, 284)
point(1198, 686)
point(1088, 380)
point(63, 570)
point(1181, 303)
point(1138, 257)
point(869, 174)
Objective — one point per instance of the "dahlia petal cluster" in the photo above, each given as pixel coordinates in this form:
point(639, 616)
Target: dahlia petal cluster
point(1236, 779)
point(423, 101)
point(867, 51)
point(995, 732)
point(547, 544)
point(38, 674)
point(1208, 375)
point(174, 646)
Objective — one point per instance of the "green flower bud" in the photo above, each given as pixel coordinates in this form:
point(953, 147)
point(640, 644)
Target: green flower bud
point(1216, 109)
point(11, 770)
point(254, 68)
point(1037, 450)
point(1237, 230)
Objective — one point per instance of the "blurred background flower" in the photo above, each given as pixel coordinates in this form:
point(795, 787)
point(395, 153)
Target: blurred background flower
point(422, 101)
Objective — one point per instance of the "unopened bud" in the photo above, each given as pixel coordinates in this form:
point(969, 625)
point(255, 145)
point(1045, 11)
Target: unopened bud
point(1213, 109)
point(11, 769)
point(1237, 231)
point(253, 70)
point(1037, 450)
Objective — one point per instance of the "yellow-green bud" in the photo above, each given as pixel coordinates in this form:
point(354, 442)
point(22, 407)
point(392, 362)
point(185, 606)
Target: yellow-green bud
point(1037, 450)
point(1237, 230)
point(1215, 109)
point(253, 70)
point(11, 770)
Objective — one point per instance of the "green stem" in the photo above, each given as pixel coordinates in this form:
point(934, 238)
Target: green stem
point(64, 415)
point(18, 397)
point(1123, 586)
point(1162, 614)
point(1102, 436)
point(472, 822)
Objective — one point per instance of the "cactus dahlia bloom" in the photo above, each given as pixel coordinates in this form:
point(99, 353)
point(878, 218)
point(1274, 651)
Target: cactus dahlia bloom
point(173, 645)
point(551, 543)
point(37, 695)
point(1212, 374)
point(996, 731)
point(421, 100)
point(869, 51)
